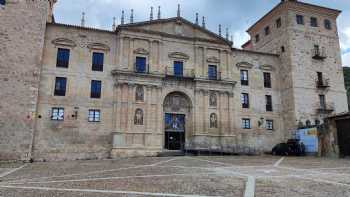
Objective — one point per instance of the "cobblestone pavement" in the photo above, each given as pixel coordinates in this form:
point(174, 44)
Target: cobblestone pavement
point(246, 176)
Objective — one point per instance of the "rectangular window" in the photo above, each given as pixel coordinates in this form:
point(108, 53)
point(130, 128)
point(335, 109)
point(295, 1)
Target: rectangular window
point(60, 86)
point(178, 68)
point(268, 99)
point(267, 30)
point(300, 19)
point(269, 124)
point(267, 80)
point(245, 100)
point(257, 38)
point(62, 58)
point(246, 123)
point(96, 89)
point(244, 77)
point(278, 22)
point(327, 24)
point(212, 72)
point(140, 65)
point(94, 115)
point(322, 101)
point(57, 113)
point(97, 61)
point(319, 78)
point(313, 22)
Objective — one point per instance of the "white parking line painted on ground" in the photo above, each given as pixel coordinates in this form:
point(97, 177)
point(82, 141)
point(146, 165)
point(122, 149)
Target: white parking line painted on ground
point(90, 173)
point(113, 178)
point(104, 191)
point(278, 162)
point(250, 187)
point(12, 171)
point(214, 162)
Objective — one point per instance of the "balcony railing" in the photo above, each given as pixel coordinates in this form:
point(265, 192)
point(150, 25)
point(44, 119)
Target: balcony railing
point(186, 73)
point(326, 108)
point(319, 54)
point(322, 84)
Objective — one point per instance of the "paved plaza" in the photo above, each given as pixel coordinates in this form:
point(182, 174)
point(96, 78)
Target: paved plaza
point(200, 176)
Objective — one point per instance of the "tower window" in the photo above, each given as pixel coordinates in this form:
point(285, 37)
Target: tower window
point(246, 123)
point(278, 22)
point(95, 89)
point(62, 58)
point(212, 72)
point(327, 24)
point(245, 100)
point(267, 30)
point(60, 86)
point(97, 61)
point(313, 22)
point(300, 19)
point(269, 103)
point(244, 77)
point(267, 80)
point(257, 38)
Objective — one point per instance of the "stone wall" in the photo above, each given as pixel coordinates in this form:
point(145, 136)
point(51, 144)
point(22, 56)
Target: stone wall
point(22, 29)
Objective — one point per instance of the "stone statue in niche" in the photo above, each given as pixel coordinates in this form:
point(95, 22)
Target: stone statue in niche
point(213, 99)
point(139, 94)
point(138, 119)
point(213, 121)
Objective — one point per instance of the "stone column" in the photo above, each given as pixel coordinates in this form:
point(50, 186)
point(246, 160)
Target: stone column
point(131, 54)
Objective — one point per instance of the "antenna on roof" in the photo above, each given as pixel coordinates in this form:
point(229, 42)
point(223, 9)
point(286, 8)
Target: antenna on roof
point(197, 19)
point(178, 10)
point(132, 16)
point(82, 23)
point(114, 26)
point(203, 21)
point(220, 30)
point(122, 19)
point(158, 12)
point(151, 15)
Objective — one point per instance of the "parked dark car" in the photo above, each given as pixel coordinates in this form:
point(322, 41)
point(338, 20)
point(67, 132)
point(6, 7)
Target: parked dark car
point(293, 147)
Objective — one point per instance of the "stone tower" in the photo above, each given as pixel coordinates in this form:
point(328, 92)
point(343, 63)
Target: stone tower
point(22, 32)
point(311, 75)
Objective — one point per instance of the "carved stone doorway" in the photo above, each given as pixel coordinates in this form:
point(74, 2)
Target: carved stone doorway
point(177, 120)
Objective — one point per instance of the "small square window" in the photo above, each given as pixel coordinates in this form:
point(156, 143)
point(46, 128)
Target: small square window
point(97, 61)
point(246, 123)
point(94, 115)
point(267, 30)
point(62, 58)
point(257, 38)
point(96, 87)
point(300, 19)
point(327, 24)
point(269, 124)
point(278, 22)
point(57, 113)
point(313, 22)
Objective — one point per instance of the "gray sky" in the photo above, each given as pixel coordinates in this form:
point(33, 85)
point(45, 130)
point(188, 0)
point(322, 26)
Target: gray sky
point(237, 15)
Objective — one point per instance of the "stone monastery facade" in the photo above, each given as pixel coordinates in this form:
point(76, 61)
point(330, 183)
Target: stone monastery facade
point(74, 92)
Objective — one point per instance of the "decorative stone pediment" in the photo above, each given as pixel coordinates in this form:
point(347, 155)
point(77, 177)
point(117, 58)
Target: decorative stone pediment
point(179, 55)
point(245, 65)
point(141, 51)
point(64, 42)
point(267, 67)
point(213, 59)
point(98, 46)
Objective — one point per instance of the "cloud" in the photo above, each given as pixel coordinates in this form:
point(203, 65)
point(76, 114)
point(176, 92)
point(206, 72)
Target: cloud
point(346, 59)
